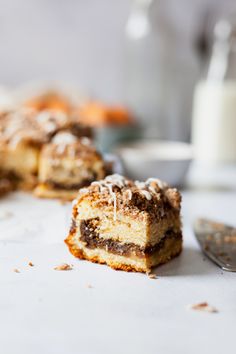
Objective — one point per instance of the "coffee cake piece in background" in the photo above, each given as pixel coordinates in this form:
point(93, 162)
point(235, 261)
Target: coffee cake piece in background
point(23, 133)
point(66, 164)
point(127, 225)
point(20, 142)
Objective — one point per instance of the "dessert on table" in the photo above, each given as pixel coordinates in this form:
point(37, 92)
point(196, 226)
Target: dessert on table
point(132, 226)
point(67, 164)
point(20, 141)
point(29, 141)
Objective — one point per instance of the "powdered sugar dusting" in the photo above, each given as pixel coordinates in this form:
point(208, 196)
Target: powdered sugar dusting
point(64, 138)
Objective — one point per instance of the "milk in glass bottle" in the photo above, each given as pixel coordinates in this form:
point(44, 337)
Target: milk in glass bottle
point(214, 109)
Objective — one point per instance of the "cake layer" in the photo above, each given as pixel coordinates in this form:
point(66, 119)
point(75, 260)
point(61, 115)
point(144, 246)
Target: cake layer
point(170, 247)
point(93, 240)
point(67, 174)
point(139, 229)
point(70, 162)
point(22, 159)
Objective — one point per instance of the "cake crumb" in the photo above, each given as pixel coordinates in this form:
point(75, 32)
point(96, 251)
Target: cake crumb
point(63, 266)
point(203, 306)
point(151, 275)
point(16, 270)
point(31, 264)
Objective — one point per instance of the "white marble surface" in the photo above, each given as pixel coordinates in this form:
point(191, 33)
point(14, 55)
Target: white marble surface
point(46, 311)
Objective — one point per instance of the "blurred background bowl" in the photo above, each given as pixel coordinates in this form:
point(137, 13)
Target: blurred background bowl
point(167, 160)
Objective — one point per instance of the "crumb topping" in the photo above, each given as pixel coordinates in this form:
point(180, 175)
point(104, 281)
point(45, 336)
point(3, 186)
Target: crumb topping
point(63, 138)
point(29, 125)
point(203, 306)
point(65, 144)
point(151, 195)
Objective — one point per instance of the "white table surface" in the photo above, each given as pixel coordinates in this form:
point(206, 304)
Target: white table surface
point(43, 311)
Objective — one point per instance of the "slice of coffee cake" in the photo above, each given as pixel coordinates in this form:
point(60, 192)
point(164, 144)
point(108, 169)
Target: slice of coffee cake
point(66, 164)
point(23, 133)
point(128, 225)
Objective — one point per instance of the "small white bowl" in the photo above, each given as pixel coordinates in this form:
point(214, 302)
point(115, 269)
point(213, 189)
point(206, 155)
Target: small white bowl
point(166, 160)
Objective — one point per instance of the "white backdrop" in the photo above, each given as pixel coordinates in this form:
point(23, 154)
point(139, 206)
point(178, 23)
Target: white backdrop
point(80, 41)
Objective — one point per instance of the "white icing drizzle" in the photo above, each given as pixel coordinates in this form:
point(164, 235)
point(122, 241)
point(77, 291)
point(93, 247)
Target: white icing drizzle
point(107, 184)
point(50, 127)
point(64, 138)
point(152, 189)
point(146, 194)
point(85, 141)
point(43, 117)
point(119, 181)
point(160, 183)
point(100, 185)
point(129, 194)
point(140, 185)
point(46, 116)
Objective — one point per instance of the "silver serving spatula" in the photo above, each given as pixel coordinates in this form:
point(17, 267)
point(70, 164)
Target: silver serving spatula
point(218, 242)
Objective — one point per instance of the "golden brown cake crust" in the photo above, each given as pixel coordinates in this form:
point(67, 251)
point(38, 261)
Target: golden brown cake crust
point(45, 192)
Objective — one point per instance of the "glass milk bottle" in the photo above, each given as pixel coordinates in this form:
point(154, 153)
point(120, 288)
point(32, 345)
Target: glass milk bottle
point(214, 108)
